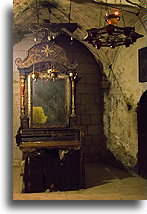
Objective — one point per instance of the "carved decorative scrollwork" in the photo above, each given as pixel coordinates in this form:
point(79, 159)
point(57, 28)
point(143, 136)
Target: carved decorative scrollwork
point(47, 53)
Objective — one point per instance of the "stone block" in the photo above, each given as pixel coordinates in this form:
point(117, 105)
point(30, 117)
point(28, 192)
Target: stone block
point(14, 67)
point(85, 88)
point(92, 109)
point(85, 119)
point(16, 81)
point(97, 139)
point(83, 79)
point(80, 57)
point(80, 109)
point(89, 68)
point(16, 108)
point(27, 43)
point(15, 75)
point(105, 84)
point(94, 150)
point(15, 128)
point(93, 129)
point(86, 150)
point(78, 98)
point(99, 99)
point(97, 88)
point(17, 163)
point(16, 122)
point(78, 120)
point(93, 78)
point(84, 128)
point(88, 139)
point(87, 159)
point(17, 154)
point(14, 142)
point(19, 54)
point(16, 88)
point(16, 99)
point(17, 46)
point(87, 98)
point(96, 119)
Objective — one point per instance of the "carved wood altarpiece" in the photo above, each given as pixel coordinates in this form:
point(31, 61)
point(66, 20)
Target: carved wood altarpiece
point(48, 117)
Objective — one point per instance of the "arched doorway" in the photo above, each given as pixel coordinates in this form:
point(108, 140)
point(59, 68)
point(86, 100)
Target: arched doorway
point(89, 96)
point(142, 136)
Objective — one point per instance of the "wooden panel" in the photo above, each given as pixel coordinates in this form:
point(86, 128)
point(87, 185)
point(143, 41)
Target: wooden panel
point(51, 144)
point(33, 176)
point(49, 171)
point(142, 140)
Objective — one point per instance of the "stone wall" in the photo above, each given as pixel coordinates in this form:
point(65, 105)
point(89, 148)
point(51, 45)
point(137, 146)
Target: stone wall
point(124, 2)
point(120, 116)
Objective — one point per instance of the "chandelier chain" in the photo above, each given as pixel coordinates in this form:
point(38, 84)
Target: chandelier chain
point(37, 13)
point(70, 5)
point(105, 12)
point(100, 14)
point(122, 14)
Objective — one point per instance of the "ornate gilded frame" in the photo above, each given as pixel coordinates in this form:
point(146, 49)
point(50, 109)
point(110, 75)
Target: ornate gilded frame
point(40, 57)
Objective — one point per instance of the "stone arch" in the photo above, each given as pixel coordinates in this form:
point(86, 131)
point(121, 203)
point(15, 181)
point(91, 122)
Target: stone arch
point(142, 135)
point(89, 100)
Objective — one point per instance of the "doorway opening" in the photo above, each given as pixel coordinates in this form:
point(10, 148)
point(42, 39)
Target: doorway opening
point(142, 136)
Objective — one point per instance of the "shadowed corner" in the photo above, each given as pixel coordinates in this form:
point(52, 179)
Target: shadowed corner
point(105, 185)
point(9, 103)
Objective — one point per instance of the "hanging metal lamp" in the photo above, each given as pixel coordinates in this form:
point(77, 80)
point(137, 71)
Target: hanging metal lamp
point(112, 35)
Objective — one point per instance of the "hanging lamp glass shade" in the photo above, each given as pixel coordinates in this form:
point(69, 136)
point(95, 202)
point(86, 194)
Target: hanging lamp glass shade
point(112, 35)
point(112, 19)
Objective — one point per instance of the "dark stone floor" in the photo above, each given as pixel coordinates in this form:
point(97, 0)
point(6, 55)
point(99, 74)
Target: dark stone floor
point(103, 182)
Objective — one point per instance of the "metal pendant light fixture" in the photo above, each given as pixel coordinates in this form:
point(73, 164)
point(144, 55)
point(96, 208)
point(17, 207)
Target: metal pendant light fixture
point(112, 35)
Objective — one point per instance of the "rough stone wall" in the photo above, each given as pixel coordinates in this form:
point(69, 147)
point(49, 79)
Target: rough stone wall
point(120, 117)
point(124, 2)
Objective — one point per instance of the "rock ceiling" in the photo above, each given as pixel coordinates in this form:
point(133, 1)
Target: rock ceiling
point(87, 13)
